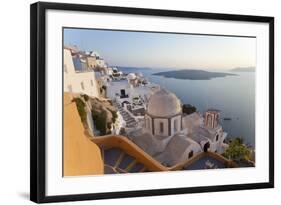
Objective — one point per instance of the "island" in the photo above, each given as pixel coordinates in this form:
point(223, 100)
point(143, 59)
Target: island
point(243, 69)
point(189, 74)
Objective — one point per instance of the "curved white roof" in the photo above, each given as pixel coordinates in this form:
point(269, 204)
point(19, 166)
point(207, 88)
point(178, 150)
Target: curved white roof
point(163, 104)
point(131, 76)
point(176, 149)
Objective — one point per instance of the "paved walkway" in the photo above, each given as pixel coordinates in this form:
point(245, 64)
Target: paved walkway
point(130, 121)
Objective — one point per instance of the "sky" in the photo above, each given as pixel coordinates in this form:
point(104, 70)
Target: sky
point(165, 50)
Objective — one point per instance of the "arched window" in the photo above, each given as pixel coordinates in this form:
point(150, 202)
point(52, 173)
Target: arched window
point(209, 121)
point(190, 154)
point(148, 123)
point(161, 126)
point(82, 86)
point(206, 146)
point(217, 137)
point(175, 125)
point(216, 121)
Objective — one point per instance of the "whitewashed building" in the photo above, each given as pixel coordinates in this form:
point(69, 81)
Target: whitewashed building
point(171, 137)
point(79, 79)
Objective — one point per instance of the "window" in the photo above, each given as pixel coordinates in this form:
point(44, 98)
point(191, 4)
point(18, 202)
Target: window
point(69, 88)
point(82, 86)
point(216, 121)
point(161, 127)
point(190, 154)
point(92, 83)
point(209, 121)
point(175, 125)
point(148, 123)
point(65, 68)
point(217, 137)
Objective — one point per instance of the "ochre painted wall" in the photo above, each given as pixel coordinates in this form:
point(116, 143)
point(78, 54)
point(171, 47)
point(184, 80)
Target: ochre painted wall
point(81, 155)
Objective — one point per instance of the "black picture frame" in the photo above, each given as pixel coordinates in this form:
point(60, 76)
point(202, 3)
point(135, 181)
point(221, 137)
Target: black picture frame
point(38, 100)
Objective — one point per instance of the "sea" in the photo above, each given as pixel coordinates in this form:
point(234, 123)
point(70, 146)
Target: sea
point(233, 95)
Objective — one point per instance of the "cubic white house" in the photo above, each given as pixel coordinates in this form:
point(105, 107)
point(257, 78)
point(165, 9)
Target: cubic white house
point(78, 78)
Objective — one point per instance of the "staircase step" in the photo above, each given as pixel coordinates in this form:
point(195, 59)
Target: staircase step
point(131, 165)
point(126, 161)
point(136, 168)
point(120, 158)
point(143, 169)
point(111, 155)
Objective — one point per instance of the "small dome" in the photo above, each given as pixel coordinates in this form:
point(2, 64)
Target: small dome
point(131, 76)
point(163, 104)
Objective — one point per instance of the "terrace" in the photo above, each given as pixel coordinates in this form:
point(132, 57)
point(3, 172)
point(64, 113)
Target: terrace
point(117, 161)
point(205, 162)
point(130, 121)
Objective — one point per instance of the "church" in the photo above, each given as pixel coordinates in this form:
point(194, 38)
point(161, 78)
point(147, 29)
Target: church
point(171, 136)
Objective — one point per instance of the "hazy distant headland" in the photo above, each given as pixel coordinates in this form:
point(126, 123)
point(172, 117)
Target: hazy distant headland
point(243, 69)
point(193, 74)
point(132, 67)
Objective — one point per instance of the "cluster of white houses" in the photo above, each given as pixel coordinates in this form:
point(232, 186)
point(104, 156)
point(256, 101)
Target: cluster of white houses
point(171, 136)
point(160, 127)
point(78, 77)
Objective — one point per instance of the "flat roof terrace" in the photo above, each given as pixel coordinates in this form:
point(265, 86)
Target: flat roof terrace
point(205, 162)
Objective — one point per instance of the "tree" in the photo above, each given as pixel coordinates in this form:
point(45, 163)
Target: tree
point(237, 150)
point(114, 115)
point(100, 120)
point(188, 109)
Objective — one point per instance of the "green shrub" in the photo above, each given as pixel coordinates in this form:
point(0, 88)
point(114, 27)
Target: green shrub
point(114, 115)
point(86, 97)
point(100, 121)
point(237, 150)
point(188, 109)
point(81, 109)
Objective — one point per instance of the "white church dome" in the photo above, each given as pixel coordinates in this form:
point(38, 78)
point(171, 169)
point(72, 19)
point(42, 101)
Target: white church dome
point(163, 104)
point(131, 76)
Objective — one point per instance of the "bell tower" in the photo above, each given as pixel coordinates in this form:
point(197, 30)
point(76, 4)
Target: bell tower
point(212, 118)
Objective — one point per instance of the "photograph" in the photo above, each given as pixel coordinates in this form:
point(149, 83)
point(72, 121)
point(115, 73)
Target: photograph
point(134, 102)
point(144, 101)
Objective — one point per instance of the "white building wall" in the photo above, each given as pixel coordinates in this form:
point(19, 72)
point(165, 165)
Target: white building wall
point(78, 82)
point(148, 123)
point(116, 87)
point(101, 63)
point(193, 147)
point(216, 145)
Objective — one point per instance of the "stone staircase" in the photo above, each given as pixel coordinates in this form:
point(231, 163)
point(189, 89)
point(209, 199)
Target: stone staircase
point(130, 121)
point(117, 161)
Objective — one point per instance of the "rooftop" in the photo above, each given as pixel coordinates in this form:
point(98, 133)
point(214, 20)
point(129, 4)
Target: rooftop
point(205, 162)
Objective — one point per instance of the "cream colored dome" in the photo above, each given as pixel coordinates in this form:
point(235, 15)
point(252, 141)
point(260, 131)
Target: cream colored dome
point(163, 104)
point(131, 76)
